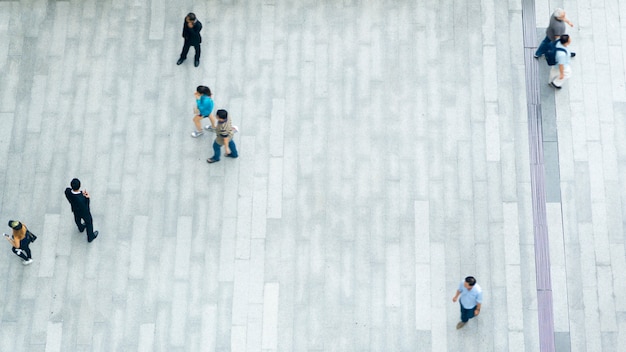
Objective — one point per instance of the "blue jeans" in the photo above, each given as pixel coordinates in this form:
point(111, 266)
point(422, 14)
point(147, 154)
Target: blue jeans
point(466, 314)
point(543, 47)
point(218, 148)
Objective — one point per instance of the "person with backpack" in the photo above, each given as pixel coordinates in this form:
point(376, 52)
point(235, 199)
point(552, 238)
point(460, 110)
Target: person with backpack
point(561, 70)
point(555, 29)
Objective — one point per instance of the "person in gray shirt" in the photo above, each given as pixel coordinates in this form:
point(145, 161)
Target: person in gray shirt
point(554, 31)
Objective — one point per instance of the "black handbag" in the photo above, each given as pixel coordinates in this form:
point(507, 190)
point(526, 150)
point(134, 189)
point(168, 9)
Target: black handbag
point(30, 236)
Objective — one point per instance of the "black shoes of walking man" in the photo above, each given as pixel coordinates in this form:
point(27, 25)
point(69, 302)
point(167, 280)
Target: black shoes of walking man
point(196, 63)
point(95, 233)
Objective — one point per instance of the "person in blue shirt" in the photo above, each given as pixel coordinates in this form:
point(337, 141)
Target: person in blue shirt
point(562, 71)
point(471, 299)
point(204, 108)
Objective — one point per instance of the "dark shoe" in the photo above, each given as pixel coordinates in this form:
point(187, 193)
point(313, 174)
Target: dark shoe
point(572, 54)
point(196, 63)
point(81, 229)
point(95, 234)
point(460, 325)
point(180, 61)
point(211, 161)
point(231, 155)
point(535, 56)
point(554, 85)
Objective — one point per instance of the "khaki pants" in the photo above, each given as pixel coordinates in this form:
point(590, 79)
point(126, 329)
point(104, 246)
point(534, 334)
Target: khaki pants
point(555, 73)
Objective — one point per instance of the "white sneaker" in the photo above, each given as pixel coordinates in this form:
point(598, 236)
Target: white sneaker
point(209, 128)
point(235, 128)
point(27, 262)
point(196, 134)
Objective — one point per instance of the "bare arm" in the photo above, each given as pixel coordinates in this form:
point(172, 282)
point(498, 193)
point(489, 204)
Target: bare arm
point(477, 310)
point(212, 118)
point(13, 241)
point(458, 293)
point(566, 20)
point(561, 74)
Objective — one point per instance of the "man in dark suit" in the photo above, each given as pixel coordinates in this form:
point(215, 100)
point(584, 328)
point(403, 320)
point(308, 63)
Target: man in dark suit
point(79, 200)
point(191, 33)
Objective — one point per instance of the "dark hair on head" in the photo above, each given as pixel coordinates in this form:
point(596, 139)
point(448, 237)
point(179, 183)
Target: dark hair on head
point(222, 114)
point(470, 280)
point(204, 90)
point(75, 184)
point(191, 16)
point(15, 225)
point(564, 38)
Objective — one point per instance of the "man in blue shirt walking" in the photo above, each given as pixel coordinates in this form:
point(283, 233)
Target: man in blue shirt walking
point(471, 299)
point(562, 71)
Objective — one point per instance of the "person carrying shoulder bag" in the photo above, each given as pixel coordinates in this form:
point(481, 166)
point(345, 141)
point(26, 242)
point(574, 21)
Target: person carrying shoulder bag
point(20, 240)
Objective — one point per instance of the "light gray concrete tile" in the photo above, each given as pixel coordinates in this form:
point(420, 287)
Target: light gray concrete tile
point(587, 254)
point(620, 335)
point(510, 230)
point(500, 309)
point(224, 315)
point(606, 303)
point(209, 322)
point(146, 337)
point(254, 327)
point(259, 208)
point(600, 235)
point(137, 246)
point(179, 309)
point(562, 341)
point(277, 127)
point(240, 292)
point(392, 275)
point(227, 250)
point(577, 330)
point(183, 247)
point(41, 313)
point(54, 336)
point(244, 212)
point(47, 261)
point(618, 262)
point(492, 132)
point(274, 190)
point(593, 336)
point(270, 316)
point(578, 127)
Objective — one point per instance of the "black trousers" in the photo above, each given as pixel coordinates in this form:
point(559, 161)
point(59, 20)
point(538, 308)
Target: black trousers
point(87, 225)
point(183, 54)
point(23, 252)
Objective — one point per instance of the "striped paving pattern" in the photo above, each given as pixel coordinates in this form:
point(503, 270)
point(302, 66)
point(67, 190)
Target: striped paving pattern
point(538, 182)
point(384, 156)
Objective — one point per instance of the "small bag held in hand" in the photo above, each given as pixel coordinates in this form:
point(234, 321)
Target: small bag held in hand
point(30, 236)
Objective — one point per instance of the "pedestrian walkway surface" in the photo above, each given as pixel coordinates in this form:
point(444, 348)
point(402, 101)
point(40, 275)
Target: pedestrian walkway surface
point(384, 156)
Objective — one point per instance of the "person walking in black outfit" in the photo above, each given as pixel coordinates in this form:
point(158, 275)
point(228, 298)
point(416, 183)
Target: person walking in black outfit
point(191, 33)
point(79, 200)
point(20, 239)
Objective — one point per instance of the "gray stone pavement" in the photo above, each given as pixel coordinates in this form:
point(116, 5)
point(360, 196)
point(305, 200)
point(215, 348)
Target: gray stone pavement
point(384, 156)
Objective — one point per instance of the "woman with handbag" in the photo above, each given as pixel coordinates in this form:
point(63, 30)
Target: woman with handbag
point(20, 239)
